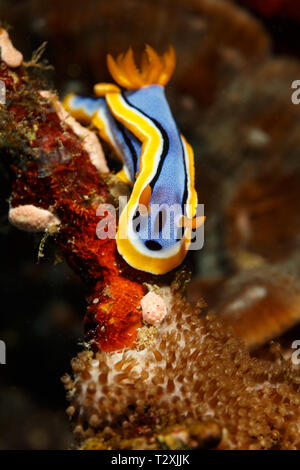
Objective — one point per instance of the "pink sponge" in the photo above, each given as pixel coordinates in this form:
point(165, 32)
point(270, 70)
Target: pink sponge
point(32, 218)
point(154, 308)
point(9, 53)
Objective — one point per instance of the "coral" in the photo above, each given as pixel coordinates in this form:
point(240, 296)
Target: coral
point(229, 41)
point(193, 371)
point(213, 39)
point(262, 216)
point(52, 171)
point(248, 146)
point(259, 304)
point(197, 435)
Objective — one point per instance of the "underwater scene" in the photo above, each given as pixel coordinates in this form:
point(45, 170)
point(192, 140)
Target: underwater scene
point(150, 227)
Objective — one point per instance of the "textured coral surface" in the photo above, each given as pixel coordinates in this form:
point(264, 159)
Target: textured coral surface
point(194, 371)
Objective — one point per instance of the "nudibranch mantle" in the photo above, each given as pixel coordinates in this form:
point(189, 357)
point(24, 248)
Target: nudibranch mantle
point(155, 227)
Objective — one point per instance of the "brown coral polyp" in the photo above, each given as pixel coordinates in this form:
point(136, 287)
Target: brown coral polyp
point(194, 370)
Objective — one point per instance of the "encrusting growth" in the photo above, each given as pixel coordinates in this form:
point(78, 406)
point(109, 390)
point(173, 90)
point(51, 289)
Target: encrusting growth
point(55, 166)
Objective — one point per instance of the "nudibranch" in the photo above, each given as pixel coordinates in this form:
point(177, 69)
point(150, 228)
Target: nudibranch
point(156, 226)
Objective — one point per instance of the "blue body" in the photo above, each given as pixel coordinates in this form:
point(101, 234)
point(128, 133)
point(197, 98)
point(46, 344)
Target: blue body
point(170, 183)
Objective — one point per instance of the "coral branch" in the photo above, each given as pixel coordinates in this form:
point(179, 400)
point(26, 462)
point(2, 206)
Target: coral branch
point(56, 165)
